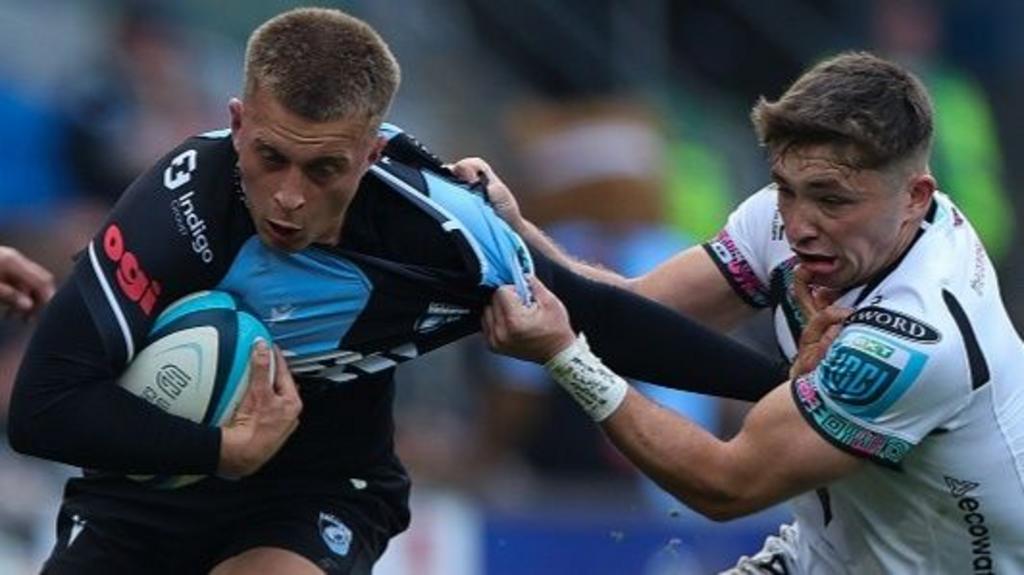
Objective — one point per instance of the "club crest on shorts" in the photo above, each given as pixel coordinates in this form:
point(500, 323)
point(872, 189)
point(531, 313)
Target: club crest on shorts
point(335, 533)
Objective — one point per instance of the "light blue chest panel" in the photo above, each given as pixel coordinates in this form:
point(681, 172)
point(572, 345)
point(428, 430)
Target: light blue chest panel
point(308, 300)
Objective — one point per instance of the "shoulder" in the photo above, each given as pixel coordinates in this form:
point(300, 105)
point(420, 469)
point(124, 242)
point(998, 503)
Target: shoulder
point(757, 222)
point(411, 176)
point(905, 349)
point(197, 164)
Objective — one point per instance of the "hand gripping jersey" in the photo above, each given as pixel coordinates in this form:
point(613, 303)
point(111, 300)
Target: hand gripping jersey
point(418, 258)
point(923, 381)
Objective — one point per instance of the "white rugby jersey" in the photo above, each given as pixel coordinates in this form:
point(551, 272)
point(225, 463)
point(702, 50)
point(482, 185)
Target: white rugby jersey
point(926, 381)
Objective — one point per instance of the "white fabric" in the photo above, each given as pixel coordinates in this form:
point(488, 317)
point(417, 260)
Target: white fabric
point(597, 389)
point(951, 499)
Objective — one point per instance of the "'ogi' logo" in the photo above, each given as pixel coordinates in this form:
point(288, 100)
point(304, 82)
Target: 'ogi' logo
point(135, 284)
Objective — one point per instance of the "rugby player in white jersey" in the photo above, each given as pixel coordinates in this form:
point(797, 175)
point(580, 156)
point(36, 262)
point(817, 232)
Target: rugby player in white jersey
point(903, 451)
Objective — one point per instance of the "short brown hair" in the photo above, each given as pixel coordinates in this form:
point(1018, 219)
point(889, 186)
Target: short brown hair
point(322, 64)
point(874, 111)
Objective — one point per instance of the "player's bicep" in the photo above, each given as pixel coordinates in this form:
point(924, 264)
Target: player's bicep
point(691, 283)
point(779, 455)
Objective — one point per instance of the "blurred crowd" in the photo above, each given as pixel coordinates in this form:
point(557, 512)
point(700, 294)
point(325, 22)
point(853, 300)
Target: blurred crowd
point(622, 127)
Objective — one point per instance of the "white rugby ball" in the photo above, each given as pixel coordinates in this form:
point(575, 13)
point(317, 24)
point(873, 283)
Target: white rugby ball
point(195, 363)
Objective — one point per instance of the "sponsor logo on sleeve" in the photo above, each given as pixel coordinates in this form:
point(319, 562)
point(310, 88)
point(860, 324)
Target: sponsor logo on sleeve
point(866, 373)
point(133, 282)
point(738, 270)
point(895, 323)
point(186, 218)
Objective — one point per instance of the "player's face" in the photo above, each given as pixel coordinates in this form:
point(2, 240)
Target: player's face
point(299, 176)
point(844, 224)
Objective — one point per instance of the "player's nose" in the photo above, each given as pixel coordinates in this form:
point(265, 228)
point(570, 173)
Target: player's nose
point(800, 224)
point(290, 195)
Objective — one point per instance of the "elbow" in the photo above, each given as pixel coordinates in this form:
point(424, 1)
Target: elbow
point(24, 425)
point(721, 502)
point(720, 513)
point(720, 508)
point(19, 433)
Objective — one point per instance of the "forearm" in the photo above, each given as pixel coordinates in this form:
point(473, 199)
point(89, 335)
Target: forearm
point(66, 406)
point(680, 456)
point(644, 340)
point(542, 243)
point(686, 460)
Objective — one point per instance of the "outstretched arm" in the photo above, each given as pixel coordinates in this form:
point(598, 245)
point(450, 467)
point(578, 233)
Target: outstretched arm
point(688, 283)
point(644, 340)
point(775, 456)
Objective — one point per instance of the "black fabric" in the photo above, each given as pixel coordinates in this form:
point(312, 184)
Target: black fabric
point(65, 405)
point(191, 530)
point(641, 339)
point(980, 374)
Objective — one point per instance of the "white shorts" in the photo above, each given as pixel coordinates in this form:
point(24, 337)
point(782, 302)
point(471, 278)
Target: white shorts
point(777, 557)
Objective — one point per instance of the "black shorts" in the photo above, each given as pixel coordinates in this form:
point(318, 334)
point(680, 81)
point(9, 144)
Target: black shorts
point(118, 528)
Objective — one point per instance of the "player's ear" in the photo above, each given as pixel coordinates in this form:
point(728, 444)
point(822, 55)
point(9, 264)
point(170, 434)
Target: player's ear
point(235, 109)
point(922, 188)
point(376, 150)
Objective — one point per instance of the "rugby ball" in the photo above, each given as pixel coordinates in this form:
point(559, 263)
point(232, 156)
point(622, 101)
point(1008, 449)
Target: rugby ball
point(195, 363)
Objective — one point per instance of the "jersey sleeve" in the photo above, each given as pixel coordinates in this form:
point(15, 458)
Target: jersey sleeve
point(164, 239)
point(644, 340)
point(501, 255)
point(65, 406)
point(887, 382)
point(739, 250)
point(488, 252)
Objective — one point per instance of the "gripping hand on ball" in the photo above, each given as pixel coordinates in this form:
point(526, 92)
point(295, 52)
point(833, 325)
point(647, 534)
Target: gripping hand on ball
point(266, 417)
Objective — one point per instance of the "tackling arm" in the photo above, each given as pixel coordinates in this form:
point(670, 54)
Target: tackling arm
point(688, 283)
point(775, 456)
point(644, 340)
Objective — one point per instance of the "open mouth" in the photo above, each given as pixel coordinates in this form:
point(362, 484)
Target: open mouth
point(283, 230)
point(817, 264)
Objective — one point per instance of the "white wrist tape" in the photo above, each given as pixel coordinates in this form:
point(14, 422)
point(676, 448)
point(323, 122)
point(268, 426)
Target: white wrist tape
point(597, 389)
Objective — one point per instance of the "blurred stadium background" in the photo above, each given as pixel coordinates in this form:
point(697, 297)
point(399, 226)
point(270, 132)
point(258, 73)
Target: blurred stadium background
point(622, 126)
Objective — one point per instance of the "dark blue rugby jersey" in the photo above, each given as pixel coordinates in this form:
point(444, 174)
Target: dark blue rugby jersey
point(417, 259)
point(418, 256)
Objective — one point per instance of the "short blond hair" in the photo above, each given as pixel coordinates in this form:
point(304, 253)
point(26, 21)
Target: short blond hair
point(323, 65)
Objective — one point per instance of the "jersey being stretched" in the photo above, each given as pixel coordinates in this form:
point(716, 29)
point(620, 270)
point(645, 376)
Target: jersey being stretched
point(418, 257)
point(347, 308)
point(416, 261)
point(923, 381)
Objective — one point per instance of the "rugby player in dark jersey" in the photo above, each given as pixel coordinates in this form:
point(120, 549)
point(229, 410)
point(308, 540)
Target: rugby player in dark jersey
point(358, 251)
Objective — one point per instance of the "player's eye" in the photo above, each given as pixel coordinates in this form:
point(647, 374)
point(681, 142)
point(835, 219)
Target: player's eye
point(323, 172)
point(270, 156)
point(835, 201)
